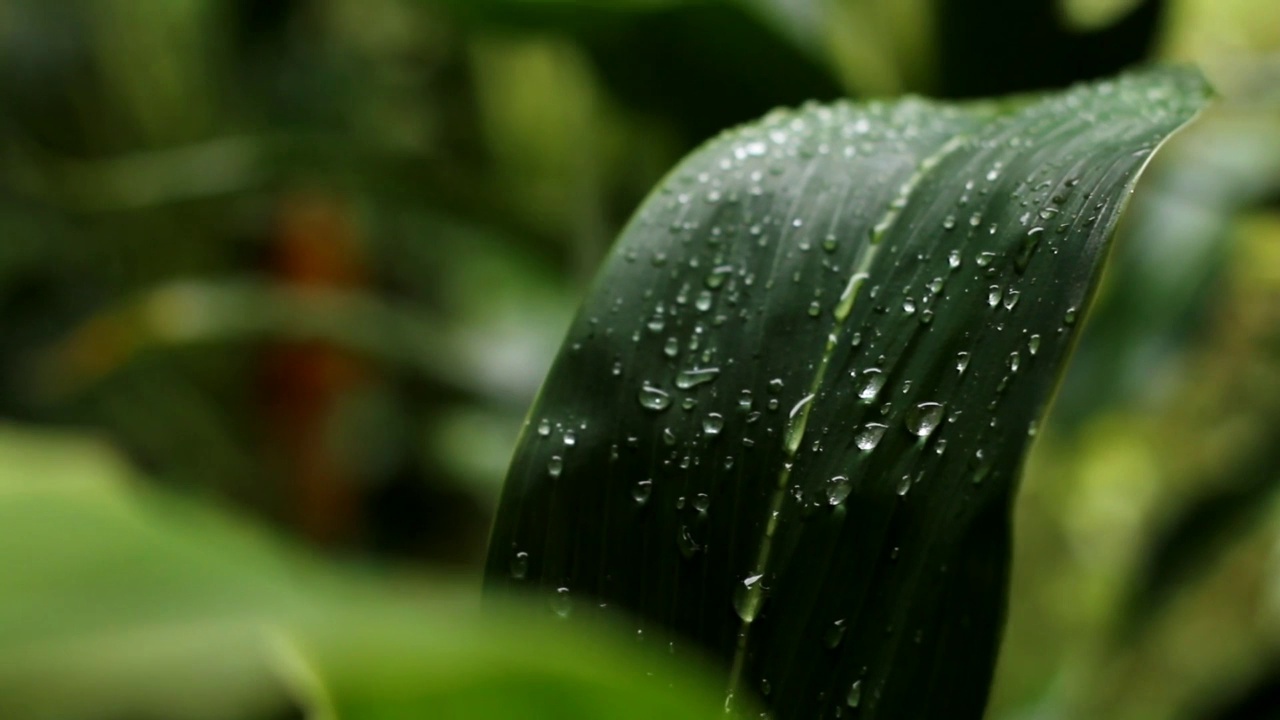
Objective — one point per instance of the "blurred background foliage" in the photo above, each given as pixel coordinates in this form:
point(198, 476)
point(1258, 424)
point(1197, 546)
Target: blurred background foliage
point(306, 262)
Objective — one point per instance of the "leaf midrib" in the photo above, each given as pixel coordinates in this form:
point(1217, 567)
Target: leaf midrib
point(793, 437)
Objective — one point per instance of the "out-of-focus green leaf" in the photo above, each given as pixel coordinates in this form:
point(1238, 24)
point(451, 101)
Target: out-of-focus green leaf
point(1000, 46)
point(787, 424)
point(195, 312)
point(1261, 699)
point(1235, 494)
point(682, 61)
point(1202, 531)
point(121, 603)
point(1088, 15)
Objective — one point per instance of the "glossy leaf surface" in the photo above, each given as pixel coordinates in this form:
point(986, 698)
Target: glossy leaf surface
point(787, 425)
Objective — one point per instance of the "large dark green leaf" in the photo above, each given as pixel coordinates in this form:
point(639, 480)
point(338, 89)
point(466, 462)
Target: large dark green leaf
point(1167, 272)
point(787, 424)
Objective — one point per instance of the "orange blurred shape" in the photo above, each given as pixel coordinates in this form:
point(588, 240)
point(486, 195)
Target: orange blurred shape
point(314, 244)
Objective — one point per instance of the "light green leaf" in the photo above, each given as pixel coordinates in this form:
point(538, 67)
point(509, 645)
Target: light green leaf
point(1091, 15)
point(118, 602)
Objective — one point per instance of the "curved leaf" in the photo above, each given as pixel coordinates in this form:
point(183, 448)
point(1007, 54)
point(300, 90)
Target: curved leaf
point(787, 425)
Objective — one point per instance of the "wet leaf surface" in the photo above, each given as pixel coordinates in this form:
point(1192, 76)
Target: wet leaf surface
point(786, 428)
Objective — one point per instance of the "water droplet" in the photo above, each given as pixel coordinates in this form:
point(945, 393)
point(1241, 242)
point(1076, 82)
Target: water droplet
point(555, 466)
point(1029, 244)
point(703, 303)
point(713, 424)
point(801, 405)
point(561, 603)
point(854, 698)
point(1015, 360)
point(834, 635)
point(923, 419)
point(815, 309)
point(962, 362)
point(904, 485)
point(985, 259)
point(949, 222)
point(993, 295)
point(701, 502)
point(981, 467)
point(689, 379)
point(747, 597)
point(688, 547)
point(953, 259)
point(715, 279)
point(838, 488)
point(849, 294)
point(570, 438)
point(668, 436)
point(672, 347)
point(830, 243)
point(1033, 344)
point(1070, 317)
point(1011, 299)
point(642, 491)
point(909, 306)
point(544, 428)
point(520, 565)
point(776, 385)
point(869, 436)
point(798, 420)
point(653, 399)
point(872, 381)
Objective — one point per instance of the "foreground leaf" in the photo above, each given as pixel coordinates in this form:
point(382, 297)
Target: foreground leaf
point(120, 603)
point(786, 426)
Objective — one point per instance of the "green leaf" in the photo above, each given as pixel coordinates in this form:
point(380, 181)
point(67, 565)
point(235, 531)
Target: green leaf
point(1015, 45)
point(786, 428)
point(1087, 15)
point(119, 602)
point(1165, 277)
point(1259, 699)
point(682, 61)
